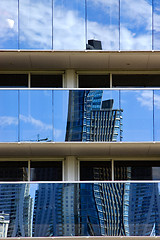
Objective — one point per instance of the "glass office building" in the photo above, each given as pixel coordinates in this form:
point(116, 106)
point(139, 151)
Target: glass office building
point(80, 119)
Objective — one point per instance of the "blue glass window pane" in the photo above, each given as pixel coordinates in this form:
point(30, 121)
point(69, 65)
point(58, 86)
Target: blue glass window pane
point(9, 24)
point(156, 27)
point(60, 114)
point(35, 24)
point(36, 122)
point(137, 108)
point(103, 23)
point(156, 115)
point(69, 25)
point(136, 25)
point(8, 116)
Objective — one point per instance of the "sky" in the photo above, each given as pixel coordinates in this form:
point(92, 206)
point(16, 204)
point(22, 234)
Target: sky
point(74, 22)
point(29, 115)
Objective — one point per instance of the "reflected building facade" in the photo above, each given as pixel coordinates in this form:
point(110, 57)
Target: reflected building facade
point(16, 204)
point(91, 119)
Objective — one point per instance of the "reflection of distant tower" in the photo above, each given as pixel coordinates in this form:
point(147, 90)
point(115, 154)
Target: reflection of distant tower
point(4, 222)
point(16, 202)
point(44, 210)
point(90, 118)
point(107, 205)
point(66, 209)
point(144, 211)
point(54, 210)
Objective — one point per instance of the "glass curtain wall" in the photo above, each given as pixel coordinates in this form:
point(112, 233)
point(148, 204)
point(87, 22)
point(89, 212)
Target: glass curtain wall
point(79, 115)
point(68, 25)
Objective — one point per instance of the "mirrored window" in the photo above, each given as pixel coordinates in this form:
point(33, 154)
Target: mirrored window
point(48, 81)
point(137, 108)
point(103, 24)
point(9, 116)
point(46, 171)
point(95, 170)
point(9, 24)
point(36, 115)
point(35, 24)
point(13, 171)
point(156, 28)
point(69, 25)
point(137, 170)
point(136, 25)
point(94, 81)
point(156, 115)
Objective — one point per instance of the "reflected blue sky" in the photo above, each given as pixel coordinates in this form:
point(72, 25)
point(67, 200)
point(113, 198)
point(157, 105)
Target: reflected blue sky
point(70, 23)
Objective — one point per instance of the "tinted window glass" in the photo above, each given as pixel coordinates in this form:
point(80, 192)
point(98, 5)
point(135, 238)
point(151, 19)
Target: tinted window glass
point(13, 80)
point(136, 80)
point(94, 81)
point(13, 171)
point(92, 170)
point(46, 81)
point(137, 170)
point(46, 171)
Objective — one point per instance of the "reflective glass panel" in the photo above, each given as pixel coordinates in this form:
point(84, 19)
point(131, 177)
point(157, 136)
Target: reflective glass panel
point(80, 209)
point(60, 114)
point(8, 116)
point(137, 170)
point(95, 170)
point(137, 108)
point(93, 116)
point(35, 24)
point(136, 24)
point(156, 115)
point(9, 24)
point(94, 81)
point(103, 23)
point(36, 110)
point(156, 26)
point(46, 171)
point(13, 171)
point(69, 25)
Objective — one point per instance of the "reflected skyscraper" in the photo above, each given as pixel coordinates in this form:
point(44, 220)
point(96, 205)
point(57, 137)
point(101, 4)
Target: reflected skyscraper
point(102, 209)
point(144, 210)
point(55, 210)
point(90, 118)
point(16, 202)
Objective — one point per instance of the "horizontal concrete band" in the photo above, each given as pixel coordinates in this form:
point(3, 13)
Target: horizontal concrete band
point(118, 150)
point(79, 60)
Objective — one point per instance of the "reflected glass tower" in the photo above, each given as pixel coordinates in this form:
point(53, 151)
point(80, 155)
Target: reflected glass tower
point(144, 209)
point(102, 209)
point(16, 203)
point(90, 118)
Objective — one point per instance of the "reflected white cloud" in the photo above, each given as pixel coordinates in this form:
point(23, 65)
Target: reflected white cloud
point(10, 22)
point(35, 122)
point(145, 98)
point(7, 121)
